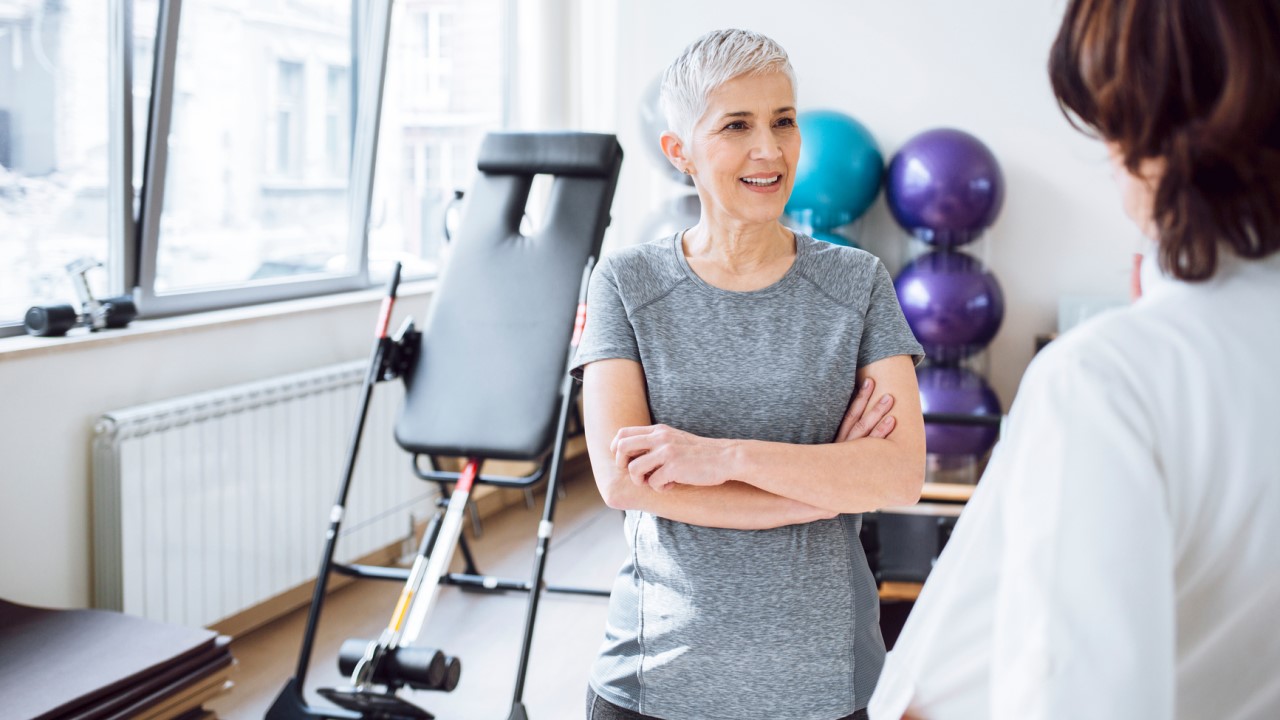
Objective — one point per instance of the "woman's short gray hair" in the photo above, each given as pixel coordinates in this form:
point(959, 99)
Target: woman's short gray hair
point(709, 62)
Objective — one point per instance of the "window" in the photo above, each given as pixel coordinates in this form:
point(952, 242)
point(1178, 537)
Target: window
point(444, 91)
point(53, 150)
point(251, 196)
point(212, 153)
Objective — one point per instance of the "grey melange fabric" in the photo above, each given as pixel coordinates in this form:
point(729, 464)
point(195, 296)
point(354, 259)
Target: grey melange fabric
point(710, 623)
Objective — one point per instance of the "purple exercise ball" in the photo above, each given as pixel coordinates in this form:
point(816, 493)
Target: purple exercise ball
point(945, 187)
point(952, 303)
point(960, 391)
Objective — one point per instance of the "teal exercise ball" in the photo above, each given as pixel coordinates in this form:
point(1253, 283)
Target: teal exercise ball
point(838, 173)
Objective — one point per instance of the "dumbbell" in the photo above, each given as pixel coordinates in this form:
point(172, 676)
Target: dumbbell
point(420, 668)
point(56, 320)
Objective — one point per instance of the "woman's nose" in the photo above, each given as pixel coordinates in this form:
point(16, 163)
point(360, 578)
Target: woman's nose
point(764, 146)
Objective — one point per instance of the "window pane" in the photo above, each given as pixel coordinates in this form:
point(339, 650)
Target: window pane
point(53, 149)
point(145, 16)
point(443, 92)
point(250, 193)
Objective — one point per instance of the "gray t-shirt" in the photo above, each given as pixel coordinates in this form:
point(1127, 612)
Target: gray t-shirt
point(710, 623)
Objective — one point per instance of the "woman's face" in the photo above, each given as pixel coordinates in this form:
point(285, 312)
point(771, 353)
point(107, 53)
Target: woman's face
point(1137, 192)
point(742, 152)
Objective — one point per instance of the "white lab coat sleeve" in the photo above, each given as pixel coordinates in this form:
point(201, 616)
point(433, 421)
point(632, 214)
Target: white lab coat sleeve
point(1085, 614)
point(1053, 597)
point(940, 665)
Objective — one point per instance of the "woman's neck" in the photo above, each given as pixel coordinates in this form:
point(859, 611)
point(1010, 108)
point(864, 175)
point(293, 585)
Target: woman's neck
point(741, 259)
point(739, 249)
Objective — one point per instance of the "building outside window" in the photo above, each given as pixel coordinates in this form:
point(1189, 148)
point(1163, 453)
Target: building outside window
point(444, 91)
point(290, 109)
point(337, 121)
point(435, 59)
point(249, 194)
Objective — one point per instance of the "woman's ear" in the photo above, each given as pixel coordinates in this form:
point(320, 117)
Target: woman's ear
point(673, 148)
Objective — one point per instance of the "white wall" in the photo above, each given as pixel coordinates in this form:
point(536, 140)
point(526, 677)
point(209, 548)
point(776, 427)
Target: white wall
point(52, 399)
point(901, 67)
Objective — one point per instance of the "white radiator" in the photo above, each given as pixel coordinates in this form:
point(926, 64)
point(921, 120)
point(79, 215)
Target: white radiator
point(208, 504)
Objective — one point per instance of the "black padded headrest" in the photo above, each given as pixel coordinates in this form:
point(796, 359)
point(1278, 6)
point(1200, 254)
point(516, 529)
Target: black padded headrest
point(495, 344)
point(572, 154)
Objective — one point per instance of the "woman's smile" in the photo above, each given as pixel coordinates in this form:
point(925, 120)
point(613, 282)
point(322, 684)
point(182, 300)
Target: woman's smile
point(763, 182)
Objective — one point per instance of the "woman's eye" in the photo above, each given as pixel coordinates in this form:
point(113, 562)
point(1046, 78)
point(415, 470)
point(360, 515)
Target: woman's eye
point(786, 122)
point(736, 126)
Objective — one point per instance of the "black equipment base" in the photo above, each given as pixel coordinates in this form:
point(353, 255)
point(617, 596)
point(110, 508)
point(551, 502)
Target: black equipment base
point(375, 705)
point(290, 705)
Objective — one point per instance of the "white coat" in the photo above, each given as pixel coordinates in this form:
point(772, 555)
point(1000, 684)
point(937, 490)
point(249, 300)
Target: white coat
point(1120, 557)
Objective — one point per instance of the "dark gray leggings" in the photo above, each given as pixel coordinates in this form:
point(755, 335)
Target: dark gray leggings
point(600, 709)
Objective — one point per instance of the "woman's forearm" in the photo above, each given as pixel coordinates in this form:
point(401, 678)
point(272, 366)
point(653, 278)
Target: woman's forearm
point(863, 474)
point(742, 484)
point(863, 471)
point(856, 476)
point(732, 505)
point(614, 397)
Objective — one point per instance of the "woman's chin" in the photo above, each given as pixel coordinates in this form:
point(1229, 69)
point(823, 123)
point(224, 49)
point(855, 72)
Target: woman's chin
point(757, 213)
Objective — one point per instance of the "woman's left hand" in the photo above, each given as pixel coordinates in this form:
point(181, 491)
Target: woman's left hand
point(661, 456)
point(865, 418)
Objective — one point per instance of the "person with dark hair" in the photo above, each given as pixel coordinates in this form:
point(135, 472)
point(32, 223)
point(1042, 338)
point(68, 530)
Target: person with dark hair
point(736, 379)
point(1120, 557)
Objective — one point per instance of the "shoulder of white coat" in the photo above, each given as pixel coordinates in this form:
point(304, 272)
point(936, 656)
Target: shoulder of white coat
point(1106, 354)
point(1129, 335)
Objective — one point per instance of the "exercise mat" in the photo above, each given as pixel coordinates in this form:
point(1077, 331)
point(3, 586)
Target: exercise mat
point(96, 663)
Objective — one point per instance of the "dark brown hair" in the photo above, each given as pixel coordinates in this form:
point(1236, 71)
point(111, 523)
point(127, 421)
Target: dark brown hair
point(1195, 83)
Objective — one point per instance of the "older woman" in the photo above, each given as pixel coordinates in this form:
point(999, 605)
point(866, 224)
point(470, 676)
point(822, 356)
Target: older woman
point(1119, 559)
point(719, 368)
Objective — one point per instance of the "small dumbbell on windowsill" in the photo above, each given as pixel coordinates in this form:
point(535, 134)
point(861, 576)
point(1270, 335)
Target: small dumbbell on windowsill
point(95, 314)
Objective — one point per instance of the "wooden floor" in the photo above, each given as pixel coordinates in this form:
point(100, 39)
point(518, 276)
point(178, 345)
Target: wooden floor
point(484, 631)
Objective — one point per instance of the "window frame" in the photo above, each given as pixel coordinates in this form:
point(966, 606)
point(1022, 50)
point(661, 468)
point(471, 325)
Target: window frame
point(122, 252)
point(370, 34)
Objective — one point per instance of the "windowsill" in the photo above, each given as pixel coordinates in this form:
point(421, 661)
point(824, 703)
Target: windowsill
point(81, 339)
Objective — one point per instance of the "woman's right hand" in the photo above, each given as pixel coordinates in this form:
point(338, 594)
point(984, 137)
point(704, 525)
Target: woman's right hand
point(865, 418)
